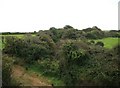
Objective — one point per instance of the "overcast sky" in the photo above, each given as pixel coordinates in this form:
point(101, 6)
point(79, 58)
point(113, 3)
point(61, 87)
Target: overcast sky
point(34, 15)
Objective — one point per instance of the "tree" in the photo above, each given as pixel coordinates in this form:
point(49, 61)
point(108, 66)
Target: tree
point(35, 32)
point(70, 34)
point(52, 28)
point(68, 27)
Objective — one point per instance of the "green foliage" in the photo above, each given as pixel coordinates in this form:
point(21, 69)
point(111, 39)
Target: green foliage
point(95, 34)
point(29, 48)
point(7, 79)
point(47, 69)
point(92, 42)
point(112, 33)
point(73, 54)
point(73, 58)
point(69, 55)
point(70, 34)
point(100, 67)
point(100, 44)
point(6, 71)
point(55, 34)
point(68, 27)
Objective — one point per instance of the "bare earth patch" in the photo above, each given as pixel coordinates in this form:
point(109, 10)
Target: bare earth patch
point(26, 79)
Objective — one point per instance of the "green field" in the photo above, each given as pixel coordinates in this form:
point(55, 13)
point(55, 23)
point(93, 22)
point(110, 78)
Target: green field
point(109, 42)
point(17, 35)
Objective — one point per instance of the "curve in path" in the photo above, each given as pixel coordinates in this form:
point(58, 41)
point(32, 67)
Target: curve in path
point(26, 79)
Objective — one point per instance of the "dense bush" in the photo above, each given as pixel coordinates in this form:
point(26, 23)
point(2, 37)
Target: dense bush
point(7, 79)
point(95, 68)
point(68, 27)
point(100, 69)
point(92, 42)
point(93, 33)
point(70, 34)
point(69, 65)
point(68, 54)
point(100, 44)
point(30, 49)
point(6, 71)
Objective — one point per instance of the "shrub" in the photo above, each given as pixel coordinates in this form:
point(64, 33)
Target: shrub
point(92, 41)
point(68, 27)
point(31, 49)
point(100, 44)
point(7, 79)
point(73, 58)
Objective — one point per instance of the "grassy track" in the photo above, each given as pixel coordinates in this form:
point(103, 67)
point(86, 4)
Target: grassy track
point(28, 79)
point(109, 42)
point(52, 79)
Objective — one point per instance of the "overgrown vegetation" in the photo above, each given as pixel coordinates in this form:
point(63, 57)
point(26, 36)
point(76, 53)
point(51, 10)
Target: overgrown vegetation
point(73, 57)
point(7, 79)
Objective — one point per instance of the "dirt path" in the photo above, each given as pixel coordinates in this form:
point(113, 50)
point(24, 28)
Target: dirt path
point(26, 79)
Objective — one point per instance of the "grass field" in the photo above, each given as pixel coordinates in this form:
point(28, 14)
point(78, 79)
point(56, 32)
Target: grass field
point(21, 35)
point(109, 42)
point(17, 35)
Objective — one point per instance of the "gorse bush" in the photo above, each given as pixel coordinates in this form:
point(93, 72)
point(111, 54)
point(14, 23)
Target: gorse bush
point(28, 48)
point(7, 79)
point(74, 54)
point(7, 73)
point(73, 59)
